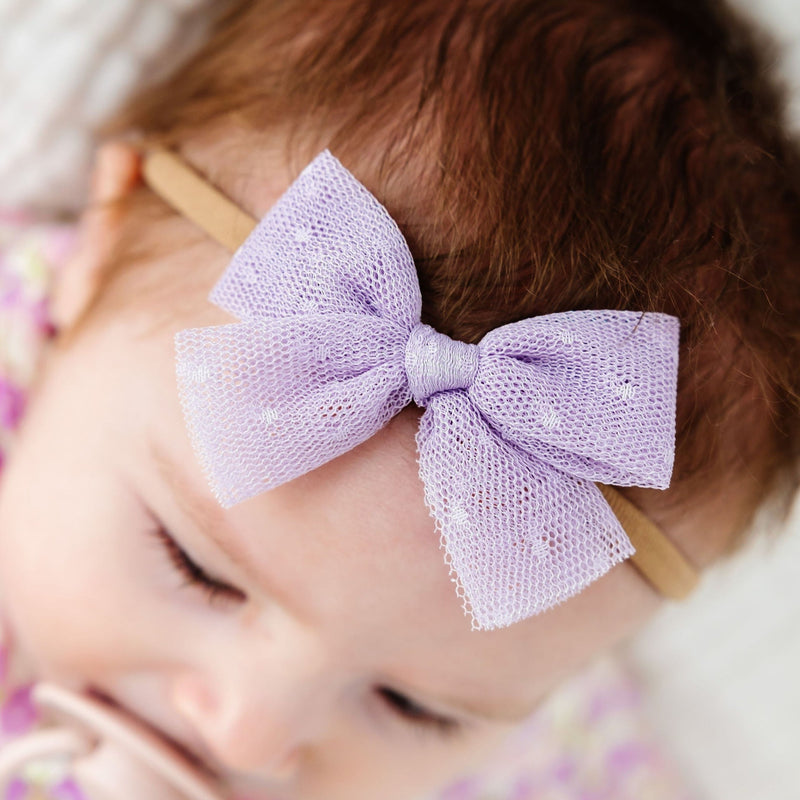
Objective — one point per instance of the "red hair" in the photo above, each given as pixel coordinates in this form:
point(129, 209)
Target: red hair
point(544, 155)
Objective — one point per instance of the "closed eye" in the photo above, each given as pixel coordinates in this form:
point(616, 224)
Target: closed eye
point(193, 574)
point(412, 712)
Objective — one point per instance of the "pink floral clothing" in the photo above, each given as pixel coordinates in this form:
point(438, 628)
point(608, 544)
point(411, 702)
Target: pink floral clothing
point(31, 252)
point(590, 740)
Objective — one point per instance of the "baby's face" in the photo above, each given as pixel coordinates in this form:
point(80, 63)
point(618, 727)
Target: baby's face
point(334, 661)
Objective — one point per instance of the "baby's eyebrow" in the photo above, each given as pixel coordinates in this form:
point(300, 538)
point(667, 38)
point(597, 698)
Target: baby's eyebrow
point(210, 520)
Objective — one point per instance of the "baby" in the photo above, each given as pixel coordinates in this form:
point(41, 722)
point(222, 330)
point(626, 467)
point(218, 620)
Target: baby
point(538, 157)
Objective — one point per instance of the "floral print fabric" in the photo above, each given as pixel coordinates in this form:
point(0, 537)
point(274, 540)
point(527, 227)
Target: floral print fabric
point(589, 741)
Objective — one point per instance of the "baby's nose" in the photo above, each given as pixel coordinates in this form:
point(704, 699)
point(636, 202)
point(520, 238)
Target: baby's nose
point(255, 721)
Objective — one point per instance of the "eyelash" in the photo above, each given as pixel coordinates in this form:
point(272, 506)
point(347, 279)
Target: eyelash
point(196, 576)
point(411, 712)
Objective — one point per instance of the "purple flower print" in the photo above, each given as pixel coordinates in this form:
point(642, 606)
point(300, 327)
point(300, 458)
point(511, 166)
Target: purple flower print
point(16, 790)
point(19, 713)
point(565, 769)
point(612, 700)
point(3, 639)
point(12, 293)
point(67, 790)
point(627, 757)
point(465, 789)
point(12, 404)
point(525, 788)
point(591, 794)
point(61, 244)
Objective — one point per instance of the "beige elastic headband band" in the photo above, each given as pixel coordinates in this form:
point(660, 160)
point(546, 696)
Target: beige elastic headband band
point(656, 557)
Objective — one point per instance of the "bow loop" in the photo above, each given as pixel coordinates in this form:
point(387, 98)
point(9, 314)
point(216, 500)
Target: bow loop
point(326, 247)
point(591, 393)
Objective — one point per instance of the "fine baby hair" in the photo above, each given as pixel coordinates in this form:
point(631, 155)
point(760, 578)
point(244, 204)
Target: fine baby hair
point(620, 166)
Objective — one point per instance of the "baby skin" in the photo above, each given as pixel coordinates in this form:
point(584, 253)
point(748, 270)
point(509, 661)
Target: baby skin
point(318, 651)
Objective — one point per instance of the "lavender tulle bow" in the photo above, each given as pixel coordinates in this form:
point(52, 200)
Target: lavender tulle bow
point(516, 429)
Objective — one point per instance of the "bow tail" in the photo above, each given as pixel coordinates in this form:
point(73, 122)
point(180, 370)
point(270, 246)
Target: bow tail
point(519, 535)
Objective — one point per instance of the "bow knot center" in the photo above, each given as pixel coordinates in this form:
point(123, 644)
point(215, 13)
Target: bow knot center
point(437, 363)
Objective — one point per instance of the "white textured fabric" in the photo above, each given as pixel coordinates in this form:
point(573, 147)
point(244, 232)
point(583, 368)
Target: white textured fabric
point(65, 67)
point(721, 675)
point(781, 20)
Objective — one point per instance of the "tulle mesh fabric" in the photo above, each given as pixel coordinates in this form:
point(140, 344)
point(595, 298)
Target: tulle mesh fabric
point(515, 431)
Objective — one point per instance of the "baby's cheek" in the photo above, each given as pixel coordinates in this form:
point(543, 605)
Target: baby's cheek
point(46, 597)
point(60, 602)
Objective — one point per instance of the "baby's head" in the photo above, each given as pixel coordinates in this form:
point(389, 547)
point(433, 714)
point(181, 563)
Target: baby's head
point(538, 157)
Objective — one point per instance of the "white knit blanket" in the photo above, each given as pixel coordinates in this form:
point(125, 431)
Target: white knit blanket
point(65, 66)
point(722, 672)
